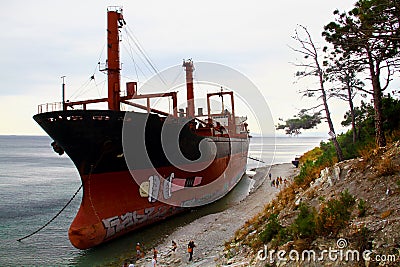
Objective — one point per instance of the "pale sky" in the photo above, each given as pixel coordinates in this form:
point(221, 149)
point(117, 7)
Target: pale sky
point(44, 40)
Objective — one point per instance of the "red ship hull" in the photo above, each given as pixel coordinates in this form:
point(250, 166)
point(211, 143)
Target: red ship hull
point(109, 210)
point(139, 168)
point(119, 197)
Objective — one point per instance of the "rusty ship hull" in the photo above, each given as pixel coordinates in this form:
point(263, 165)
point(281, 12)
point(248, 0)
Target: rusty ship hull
point(113, 201)
point(131, 175)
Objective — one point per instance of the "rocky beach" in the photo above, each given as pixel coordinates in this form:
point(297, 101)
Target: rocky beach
point(212, 231)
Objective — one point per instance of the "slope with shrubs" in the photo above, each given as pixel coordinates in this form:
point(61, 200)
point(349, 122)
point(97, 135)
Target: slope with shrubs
point(357, 199)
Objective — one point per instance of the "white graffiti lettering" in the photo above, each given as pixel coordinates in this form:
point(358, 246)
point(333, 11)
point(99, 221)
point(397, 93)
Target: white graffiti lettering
point(116, 224)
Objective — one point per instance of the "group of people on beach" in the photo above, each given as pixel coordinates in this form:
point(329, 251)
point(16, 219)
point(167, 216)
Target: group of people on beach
point(279, 182)
point(140, 253)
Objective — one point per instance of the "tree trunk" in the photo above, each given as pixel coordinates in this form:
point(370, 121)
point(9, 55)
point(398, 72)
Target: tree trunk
point(309, 48)
point(377, 96)
point(353, 115)
point(379, 132)
point(339, 152)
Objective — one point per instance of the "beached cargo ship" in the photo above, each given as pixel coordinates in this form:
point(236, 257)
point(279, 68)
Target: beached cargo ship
point(138, 168)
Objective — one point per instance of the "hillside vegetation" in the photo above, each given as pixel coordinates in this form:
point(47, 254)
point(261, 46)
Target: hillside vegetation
point(356, 201)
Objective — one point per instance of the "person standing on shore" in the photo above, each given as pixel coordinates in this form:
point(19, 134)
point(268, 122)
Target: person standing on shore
point(155, 251)
point(174, 246)
point(154, 262)
point(138, 251)
point(191, 246)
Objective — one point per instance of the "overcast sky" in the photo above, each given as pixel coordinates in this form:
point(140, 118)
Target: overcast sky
point(44, 40)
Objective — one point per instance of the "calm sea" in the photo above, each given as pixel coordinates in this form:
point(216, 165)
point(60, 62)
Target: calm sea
point(35, 183)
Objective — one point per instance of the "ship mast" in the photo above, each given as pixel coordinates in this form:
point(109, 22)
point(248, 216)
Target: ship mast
point(188, 65)
point(115, 21)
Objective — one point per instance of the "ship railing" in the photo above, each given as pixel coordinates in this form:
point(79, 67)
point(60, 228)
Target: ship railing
point(50, 107)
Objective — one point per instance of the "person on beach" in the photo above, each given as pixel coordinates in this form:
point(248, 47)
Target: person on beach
point(138, 251)
point(191, 245)
point(174, 246)
point(155, 251)
point(125, 264)
point(131, 264)
point(154, 262)
point(270, 176)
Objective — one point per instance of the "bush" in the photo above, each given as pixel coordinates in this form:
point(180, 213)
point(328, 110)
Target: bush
point(335, 214)
point(284, 236)
point(304, 225)
point(362, 208)
point(361, 239)
point(347, 199)
point(271, 229)
point(386, 167)
point(310, 171)
point(313, 162)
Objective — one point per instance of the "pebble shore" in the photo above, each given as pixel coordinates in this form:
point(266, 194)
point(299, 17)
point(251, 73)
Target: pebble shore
point(212, 231)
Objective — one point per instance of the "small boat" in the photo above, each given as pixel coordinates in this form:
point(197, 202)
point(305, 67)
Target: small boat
point(296, 161)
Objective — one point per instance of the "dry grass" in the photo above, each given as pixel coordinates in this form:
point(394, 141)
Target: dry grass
point(312, 155)
point(386, 214)
point(373, 156)
point(393, 136)
point(312, 193)
point(367, 153)
point(368, 150)
point(332, 214)
point(386, 167)
point(285, 197)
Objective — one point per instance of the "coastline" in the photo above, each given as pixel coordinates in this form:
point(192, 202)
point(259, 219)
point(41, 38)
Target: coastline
point(212, 231)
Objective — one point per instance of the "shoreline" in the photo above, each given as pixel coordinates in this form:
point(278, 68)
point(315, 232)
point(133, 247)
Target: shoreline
point(210, 232)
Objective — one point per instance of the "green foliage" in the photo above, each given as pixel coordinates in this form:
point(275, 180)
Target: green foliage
point(310, 169)
point(271, 229)
point(284, 236)
point(305, 171)
point(335, 214)
point(301, 121)
point(347, 199)
point(304, 225)
point(362, 35)
point(332, 217)
point(391, 113)
point(365, 115)
point(366, 135)
point(361, 239)
point(375, 19)
point(362, 208)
